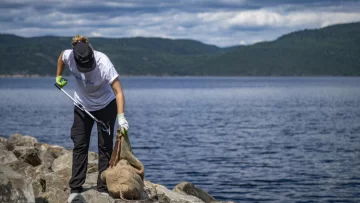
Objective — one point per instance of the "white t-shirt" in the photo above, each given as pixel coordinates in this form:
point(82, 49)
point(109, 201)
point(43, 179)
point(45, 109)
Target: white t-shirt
point(93, 89)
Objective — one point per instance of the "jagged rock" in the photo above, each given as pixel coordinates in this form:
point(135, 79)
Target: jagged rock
point(92, 196)
point(46, 158)
point(20, 140)
point(4, 145)
point(65, 161)
point(21, 167)
point(6, 156)
point(54, 195)
point(3, 139)
point(42, 146)
point(9, 146)
point(189, 189)
point(222, 202)
point(150, 191)
point(13, 187)
point(39, 185)
point(28, 154)
point(93, 160)
point(58, 179)
point(91, 180)
point(35, 175)
point(168, 196)
point(58, 151)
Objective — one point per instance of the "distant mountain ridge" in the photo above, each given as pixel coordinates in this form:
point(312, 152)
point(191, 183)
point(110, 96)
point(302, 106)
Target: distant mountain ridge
point(332, 50)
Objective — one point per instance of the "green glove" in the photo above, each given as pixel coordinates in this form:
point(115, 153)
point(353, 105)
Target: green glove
point(61, 81)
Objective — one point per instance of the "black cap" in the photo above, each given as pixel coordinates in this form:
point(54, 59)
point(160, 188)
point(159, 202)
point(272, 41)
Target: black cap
point(84, 57)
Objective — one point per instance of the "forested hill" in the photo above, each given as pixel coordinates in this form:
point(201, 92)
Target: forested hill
point(333, 50)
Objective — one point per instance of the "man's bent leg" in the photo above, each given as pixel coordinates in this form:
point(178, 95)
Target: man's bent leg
point(80, 134)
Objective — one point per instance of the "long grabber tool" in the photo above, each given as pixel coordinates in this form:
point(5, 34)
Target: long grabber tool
point(105, 127)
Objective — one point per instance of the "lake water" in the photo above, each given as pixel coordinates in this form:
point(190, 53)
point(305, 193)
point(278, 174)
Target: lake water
point(245, 139)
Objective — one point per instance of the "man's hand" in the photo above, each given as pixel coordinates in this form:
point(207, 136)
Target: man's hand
point(61, 81)
point(122, 122)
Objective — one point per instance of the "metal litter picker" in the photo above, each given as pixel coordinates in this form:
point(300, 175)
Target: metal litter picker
point(104, 127)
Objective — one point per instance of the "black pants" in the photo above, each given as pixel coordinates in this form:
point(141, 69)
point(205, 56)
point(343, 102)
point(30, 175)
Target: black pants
point(80, 134)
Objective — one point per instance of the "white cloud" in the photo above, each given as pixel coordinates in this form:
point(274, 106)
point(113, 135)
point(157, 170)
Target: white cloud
point(96, 34)
point(223, 27)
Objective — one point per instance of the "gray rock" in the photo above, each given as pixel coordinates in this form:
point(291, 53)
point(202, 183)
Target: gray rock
point(46, 158)
point(59, 179)
point(91, 181)
point(38, 179)
point(20, 140)
point(39, 185)
point(3, 139)
point(13, 187)
point(168, 196)
point(65, 161)
point(9, 146)
point(6, 156)
point(35, 175)
point(222, 202)
point(21, 167)
point(4, 145)
point(93, 196)
point(189, 189)
point(28, 154)
point(150, 191)
point(56, 150)
point(4, 142)
point(54, 195)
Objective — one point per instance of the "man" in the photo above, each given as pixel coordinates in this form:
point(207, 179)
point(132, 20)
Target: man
point(99, 90)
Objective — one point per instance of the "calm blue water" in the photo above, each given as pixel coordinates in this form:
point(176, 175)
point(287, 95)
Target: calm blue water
point(246, 139)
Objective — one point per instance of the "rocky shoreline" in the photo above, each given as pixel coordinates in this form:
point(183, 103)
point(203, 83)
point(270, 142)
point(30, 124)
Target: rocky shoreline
point(38, 172)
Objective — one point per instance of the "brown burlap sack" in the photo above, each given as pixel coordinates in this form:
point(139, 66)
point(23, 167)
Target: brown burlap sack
point(125, 176)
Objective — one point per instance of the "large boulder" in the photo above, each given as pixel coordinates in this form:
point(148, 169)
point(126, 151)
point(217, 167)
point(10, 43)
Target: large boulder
point(54, 195)
point(5, 145)
point(39, 185)
point(65, 161)
point(28, 154)
point(93, 196)
point(46, 158)
point(91, 181)
point(3, 139)
point(21, 167)
point(149, 191)
point(6, 156)
point(56, 150)
point(59, 179)
point(168, 196)
point(20, 140)
point(13, 187)
point(189, 189)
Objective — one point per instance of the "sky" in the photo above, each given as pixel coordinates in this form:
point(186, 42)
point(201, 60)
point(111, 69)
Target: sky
point(219, 22)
